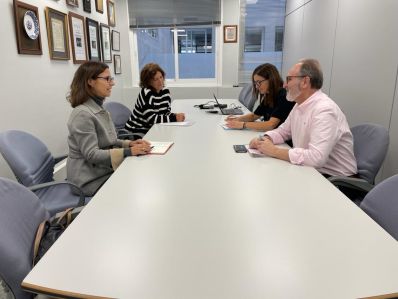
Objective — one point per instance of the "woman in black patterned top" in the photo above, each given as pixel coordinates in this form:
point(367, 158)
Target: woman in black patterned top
point(153, 103)
point(274, 108)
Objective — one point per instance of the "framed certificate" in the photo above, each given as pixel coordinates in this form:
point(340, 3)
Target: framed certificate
point(115, 40)
point(78, 38)
point(117, 64)
point(87, 5)
point(99, 6)
point(230, 33)
point(72, 3)
point(57, 32)
point(106, 43)
point(111, 13)
point(93, 40)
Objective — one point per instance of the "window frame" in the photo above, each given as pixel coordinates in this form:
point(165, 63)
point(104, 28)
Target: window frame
point(178, 82)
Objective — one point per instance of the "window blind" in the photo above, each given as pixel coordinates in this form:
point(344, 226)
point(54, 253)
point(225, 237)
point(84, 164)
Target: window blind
point(170, 13)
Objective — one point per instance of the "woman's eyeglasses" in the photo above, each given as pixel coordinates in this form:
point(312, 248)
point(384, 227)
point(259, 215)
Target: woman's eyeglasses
point(108, 78)
point(259, 82)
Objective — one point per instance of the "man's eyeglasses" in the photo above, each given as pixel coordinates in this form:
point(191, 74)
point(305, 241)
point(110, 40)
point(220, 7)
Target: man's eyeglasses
point(108, 78)
point(289, 78)
point(259, 82)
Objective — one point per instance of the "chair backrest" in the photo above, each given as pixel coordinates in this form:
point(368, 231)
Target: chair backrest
point(119, 113)
point(20, 214)
point(246, 97)
point(27, 156)
point(381, 203)
point(370, 148)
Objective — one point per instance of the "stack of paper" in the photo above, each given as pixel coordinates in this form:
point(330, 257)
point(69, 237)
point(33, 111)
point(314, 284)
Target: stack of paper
point(160, 148)
point(180, 123)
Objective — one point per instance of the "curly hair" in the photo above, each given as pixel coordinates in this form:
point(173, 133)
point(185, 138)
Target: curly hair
point(148, 72)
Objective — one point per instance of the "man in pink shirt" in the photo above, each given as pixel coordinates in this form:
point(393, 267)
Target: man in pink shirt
point(318, 128)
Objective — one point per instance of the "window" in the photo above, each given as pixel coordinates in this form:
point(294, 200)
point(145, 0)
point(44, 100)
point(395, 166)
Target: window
point(158, 50)
point(151, 32)
point(278, 38)
point(194, 56)
point(263, 21)
point(195, 40)
point(254, 39)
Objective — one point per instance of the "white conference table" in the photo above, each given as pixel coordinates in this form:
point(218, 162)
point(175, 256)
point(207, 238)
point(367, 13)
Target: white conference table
point(205, 222)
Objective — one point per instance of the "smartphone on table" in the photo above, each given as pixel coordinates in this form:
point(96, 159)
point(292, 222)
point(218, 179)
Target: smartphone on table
point(240, 148)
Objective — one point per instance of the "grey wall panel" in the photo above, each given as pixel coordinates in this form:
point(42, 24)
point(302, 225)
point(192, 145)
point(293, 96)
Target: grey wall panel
point(355, 41)
point(292, 39)
point(391, 163)
point(318, 35)
point(292, 5)
point(365, 60)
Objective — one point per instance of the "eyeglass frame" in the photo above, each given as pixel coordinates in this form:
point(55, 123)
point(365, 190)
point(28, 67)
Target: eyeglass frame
point(289, 78)
point(259, 82)
point(108, 79)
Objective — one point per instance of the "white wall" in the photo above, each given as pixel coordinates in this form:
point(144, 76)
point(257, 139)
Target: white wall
point(355, 41)
point(34, 87)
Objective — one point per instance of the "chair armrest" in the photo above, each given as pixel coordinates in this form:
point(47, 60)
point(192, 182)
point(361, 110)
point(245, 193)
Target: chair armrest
point(53, 183)
point(353, 183)
point(58, 159)
point(124, 134)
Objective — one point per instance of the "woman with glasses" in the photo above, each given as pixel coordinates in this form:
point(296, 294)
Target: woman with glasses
point(94, 150)
point(153, 102)
point(273, 107)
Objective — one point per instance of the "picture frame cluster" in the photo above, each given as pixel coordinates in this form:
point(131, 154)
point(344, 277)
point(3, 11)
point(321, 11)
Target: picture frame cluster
point(69, 34)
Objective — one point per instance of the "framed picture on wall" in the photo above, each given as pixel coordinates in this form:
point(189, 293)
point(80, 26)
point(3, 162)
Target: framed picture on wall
point(87, 5)
point(78, 38)
point(117, 64)
point(115, 40)
point(57, 32)
point(230, 33)
point(27, 28)
point(93, 40)
point(106, 43)
point(74, 3)
point(111, 13)
point(99, 6)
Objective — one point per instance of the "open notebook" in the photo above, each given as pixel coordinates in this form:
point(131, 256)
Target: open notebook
point(159, 147)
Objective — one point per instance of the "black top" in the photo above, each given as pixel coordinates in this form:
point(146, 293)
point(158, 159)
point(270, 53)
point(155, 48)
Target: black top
point(280, 110)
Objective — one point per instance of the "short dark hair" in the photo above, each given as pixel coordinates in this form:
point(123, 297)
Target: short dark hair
point(269, 72)
point(80, 90)
point(312, 69)
point(148, 72)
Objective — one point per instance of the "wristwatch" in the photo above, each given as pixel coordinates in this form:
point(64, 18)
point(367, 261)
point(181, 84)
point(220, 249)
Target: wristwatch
point(244, 125)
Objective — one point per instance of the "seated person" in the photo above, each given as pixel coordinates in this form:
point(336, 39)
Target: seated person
point(273, 108)
point(318, 128)
point(153, 103)
point(94, 150)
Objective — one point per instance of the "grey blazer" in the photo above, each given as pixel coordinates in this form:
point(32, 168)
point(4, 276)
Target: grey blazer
point(94, 150)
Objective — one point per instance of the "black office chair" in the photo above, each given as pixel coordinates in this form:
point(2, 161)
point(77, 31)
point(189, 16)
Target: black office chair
point(33, 166)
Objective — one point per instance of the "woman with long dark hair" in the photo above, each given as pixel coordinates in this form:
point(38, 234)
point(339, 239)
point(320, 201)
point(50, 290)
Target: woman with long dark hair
point(273, 107)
